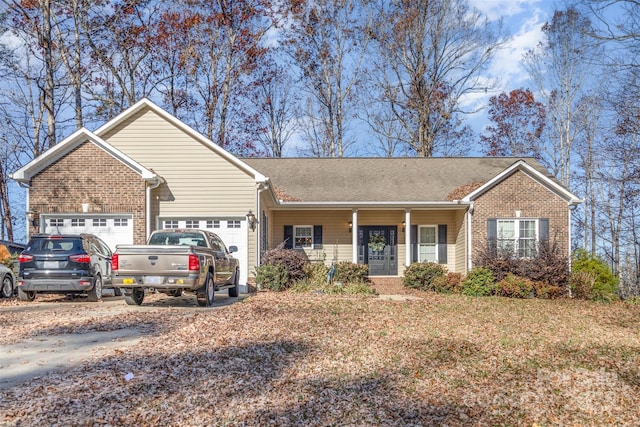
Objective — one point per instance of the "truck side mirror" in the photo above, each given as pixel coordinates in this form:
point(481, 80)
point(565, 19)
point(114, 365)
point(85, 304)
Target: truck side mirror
point(233, 249)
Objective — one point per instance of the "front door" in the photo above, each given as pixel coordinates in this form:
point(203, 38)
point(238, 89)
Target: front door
point(378, 248)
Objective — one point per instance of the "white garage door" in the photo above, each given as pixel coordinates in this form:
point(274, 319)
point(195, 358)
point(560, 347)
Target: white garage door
point(114, 229)
point(232, 231)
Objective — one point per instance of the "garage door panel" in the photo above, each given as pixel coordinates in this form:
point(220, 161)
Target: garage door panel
point(114, 230)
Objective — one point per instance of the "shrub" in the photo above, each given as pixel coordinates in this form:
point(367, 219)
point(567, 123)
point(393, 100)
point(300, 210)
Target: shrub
point(420, 275)
point(582, 284)
point(293, 261)
point(448, 284)
point(316, 273)
point(349, 272)
point(605, 283)
point(513, 286)
point(273, 277)
point(545, 291)
point(478, 283)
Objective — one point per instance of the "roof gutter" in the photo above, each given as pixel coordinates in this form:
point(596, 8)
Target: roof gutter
point(455, 204)
point(154, 182)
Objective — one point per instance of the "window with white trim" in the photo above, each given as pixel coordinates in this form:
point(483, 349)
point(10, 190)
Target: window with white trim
point(192, 223)
point(170, 224)
point(233, 224)
point(99, 222)
point(77, 222)
point(427, 243)
point(213, 224)
point(302, 236)
point(518, 236)
point(120, 222)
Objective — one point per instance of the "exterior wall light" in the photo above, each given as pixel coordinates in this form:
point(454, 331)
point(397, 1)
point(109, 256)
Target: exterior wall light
point(34, 218)
point(350, 226)
point(251, 220)
point(403, 225)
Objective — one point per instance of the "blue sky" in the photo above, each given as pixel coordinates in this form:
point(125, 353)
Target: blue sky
point(522, 21)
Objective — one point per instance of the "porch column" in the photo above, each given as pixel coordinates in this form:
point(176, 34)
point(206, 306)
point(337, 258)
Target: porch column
point(407, 237)
point(354, 236)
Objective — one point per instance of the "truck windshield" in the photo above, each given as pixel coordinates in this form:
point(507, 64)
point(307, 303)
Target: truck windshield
point(191, 239)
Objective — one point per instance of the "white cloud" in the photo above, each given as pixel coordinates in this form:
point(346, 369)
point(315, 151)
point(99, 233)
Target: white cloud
point(496, 9)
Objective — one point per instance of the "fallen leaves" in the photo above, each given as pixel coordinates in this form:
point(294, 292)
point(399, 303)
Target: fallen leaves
point(302, 359)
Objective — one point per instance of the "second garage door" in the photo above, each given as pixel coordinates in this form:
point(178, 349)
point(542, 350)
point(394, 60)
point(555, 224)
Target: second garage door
point(114, 229)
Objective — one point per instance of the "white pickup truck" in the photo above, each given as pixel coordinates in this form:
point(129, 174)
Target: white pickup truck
point(173, 261)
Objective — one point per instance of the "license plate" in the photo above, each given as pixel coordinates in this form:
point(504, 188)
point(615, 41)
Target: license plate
point(128, 281)
point(152, 280)
point(51, 264)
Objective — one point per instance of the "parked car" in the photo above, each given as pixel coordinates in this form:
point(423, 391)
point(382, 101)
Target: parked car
point(64, 264)
point(8, 281)
point(176, 260)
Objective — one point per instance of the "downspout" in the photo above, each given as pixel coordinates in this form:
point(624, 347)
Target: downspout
point(262, 186)
point(469, 238)
point(26, 222)
point(156, 184)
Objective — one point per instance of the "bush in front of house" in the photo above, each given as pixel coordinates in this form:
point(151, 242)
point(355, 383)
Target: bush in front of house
point(316, 273)
point(591, 278)
point(513, 286)
point(421, 275)
point(272, 277)
point(448, 284)
point(349, 272)
point(293, 261)
point(478, 283)
point(544, 290)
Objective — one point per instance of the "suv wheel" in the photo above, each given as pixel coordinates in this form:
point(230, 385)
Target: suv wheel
point(7, 286)
point(26, 295)
point(95, 294)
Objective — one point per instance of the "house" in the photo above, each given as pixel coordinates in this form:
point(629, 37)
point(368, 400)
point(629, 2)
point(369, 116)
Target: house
point(146, 170)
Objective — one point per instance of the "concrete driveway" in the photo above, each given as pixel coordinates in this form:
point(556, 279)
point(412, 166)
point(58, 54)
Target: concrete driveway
point(33, 356)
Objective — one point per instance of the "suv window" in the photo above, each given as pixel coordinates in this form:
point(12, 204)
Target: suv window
point(55, 245)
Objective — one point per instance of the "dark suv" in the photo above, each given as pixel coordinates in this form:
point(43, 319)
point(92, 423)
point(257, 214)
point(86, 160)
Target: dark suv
point(64, 264)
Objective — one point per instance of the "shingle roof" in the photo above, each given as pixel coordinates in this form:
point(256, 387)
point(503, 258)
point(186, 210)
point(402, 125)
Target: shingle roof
point(380, 179)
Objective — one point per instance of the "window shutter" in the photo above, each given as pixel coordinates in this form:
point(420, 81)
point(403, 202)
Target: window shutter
point(414, 243)
point(317, 237)
point(288, 236)
point(492, 233)
point(543, 229)
point(442, 243)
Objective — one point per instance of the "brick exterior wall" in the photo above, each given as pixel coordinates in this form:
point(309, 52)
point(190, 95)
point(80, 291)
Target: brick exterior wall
point(521, 192)
point(88, 174)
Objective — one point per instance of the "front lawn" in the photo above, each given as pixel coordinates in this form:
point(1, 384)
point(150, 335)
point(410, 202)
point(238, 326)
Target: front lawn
point(312, 359)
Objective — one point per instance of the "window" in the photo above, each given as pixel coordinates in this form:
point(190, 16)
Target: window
point(233, 224)
point(77, 222)
point(213, 224)
point(428, 243)
point(120, 222)
point(302, 236)
point(192, 223)
point(518, 236)
point(171, 224)
point(99, 222)
point(56, 222)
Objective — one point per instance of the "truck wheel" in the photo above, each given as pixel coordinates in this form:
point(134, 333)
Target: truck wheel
point(233, 292)
point(134, 296)
point(95, 294)
point(206, 298)
point(7, 286)
point(26, 295)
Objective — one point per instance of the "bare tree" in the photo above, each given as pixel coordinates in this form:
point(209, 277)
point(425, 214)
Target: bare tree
point(560, 67)
point(430, 54)
point(328, 45)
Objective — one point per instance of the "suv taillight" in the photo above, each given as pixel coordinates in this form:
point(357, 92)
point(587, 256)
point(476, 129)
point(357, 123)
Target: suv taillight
point(25, 258)
point(114, 262)
point(194, 262)
point(84, 258)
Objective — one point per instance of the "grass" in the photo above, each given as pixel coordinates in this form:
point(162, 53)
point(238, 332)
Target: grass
point(318, 359)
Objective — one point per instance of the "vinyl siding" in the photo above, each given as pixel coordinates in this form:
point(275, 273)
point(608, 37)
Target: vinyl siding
point(455, 236)
point(199, 182)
